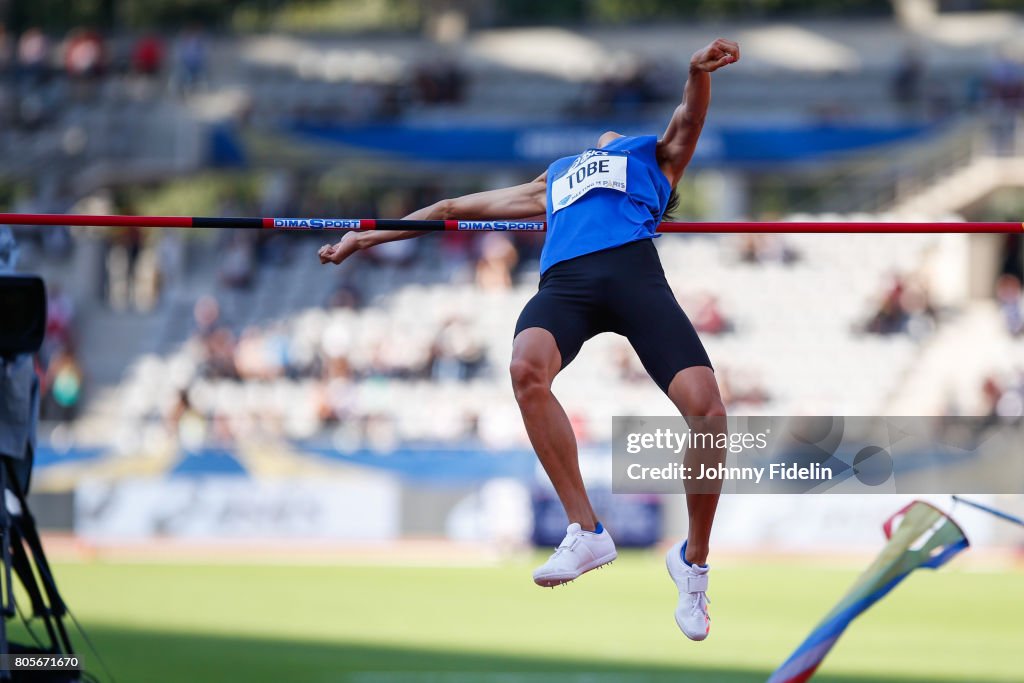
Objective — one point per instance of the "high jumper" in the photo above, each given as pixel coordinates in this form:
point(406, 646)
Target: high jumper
point(600, 272)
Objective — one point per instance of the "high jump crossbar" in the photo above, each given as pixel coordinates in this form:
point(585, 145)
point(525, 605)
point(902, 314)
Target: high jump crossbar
point(332, 224)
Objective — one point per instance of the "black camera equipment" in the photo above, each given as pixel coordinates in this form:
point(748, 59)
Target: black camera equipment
point(22, 326)
point(22, 314)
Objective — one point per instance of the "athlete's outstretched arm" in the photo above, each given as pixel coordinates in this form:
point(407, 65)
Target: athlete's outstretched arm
point(520, 201)
point(676, 147)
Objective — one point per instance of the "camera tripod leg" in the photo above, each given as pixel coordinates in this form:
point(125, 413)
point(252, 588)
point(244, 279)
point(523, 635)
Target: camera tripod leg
point(7, 591)
point(55, 609)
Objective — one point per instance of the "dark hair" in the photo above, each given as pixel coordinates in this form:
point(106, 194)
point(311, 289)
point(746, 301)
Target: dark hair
point(672, 205)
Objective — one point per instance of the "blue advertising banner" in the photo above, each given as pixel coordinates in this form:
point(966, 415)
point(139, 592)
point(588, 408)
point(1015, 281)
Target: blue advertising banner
point(541, 144)
point(634, 520)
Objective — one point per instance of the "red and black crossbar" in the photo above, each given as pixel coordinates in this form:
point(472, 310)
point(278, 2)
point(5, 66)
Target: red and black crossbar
point(333, 224)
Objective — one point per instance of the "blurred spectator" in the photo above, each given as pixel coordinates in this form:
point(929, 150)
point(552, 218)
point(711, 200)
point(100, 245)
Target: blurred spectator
point(498, 258)
point(216, 342)
point(439, 82)
point(335, 394)
point(1004, 80)
point(33, 53)
point(907, 80)
point(148, 55)
point(707, 316)
point(1011, 262)
point(905, 308)
point(32, 70)
point(237, 264)
point(221, 431)
point(628, 366)
point(890, 317)
point(765, 248)
point(218, 361)
point(262, 354)
point(5, 49)
point(187, 424)
point(60, 312)
point(277, 347)
point(1010, 299)
point(191, 57)
point(122, 247)
point(61, 375)
point(250, 359)
point(1004, 90)
point(169, 259)
point(62, 387)
point(8, 250)
point(458, 352)
point(206, 315)
point(84, 54)
point(1004, 398)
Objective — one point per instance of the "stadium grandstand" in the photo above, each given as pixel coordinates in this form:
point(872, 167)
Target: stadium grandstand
point(190, 355)
point(305, 125)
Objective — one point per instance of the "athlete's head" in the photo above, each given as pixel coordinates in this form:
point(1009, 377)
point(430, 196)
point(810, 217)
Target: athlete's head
point(673, 199)
point(607, 137)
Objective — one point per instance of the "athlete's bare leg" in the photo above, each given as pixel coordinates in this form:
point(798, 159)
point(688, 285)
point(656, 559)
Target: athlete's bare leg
point(535, 362)
point(695, 393)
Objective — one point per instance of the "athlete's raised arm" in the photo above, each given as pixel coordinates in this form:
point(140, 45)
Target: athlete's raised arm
point(675, 149)
point(520, 201)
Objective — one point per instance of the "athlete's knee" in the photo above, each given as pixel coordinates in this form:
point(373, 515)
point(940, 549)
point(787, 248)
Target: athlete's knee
point(710, 406)
point(707, 416)
point(695, 393)
point(529, 378)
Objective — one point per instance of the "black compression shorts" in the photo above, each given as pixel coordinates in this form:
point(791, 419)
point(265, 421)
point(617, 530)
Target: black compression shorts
point(621, 290)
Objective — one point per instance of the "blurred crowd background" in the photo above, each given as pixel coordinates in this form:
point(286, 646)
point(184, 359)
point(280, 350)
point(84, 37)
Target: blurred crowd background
point(205, 352)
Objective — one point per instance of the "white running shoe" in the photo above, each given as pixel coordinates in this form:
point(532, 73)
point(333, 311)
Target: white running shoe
point(692, 581)
point(579, 552)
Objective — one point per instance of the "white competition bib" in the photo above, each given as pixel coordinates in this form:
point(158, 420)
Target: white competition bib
point(593, 169)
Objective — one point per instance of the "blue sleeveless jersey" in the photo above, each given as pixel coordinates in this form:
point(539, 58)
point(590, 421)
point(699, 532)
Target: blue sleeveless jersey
point(604, 198)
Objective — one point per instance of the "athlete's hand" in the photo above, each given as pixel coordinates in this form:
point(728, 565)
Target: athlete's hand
point(336, 253)
point(715, 56)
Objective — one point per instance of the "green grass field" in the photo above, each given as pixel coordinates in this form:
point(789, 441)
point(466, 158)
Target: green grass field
point(159, 623)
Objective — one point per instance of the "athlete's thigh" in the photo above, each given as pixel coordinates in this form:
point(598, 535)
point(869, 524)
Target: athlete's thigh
point(566, 318)
point(664, 339)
